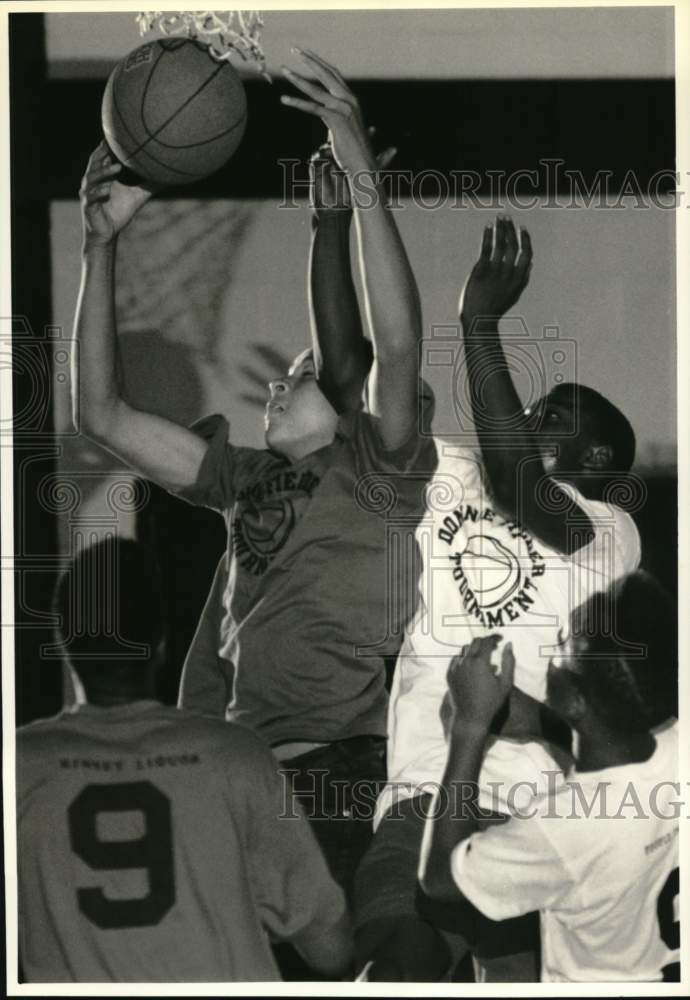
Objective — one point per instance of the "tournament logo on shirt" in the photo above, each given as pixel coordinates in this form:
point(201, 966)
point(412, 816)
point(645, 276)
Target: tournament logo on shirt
point(265, 515)
point(494, 565)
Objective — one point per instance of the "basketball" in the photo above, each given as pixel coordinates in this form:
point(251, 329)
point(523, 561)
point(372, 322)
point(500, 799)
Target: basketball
point(172, 113)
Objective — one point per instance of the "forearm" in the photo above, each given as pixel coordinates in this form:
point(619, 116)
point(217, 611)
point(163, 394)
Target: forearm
point(390, 290)
point(504, 437)
point(342, 355)
point(95, 385)
point(456, 810)
point(329, 949)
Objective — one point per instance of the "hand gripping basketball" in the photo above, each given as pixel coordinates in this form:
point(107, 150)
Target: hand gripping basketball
point(107, 206)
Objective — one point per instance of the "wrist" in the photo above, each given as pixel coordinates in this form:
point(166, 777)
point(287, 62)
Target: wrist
point(479, 322)
point(98, 246)
point(469, 728)
point(359, 160)
point(332, 218)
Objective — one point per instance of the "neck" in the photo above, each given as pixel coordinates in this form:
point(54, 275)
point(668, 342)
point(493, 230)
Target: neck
point(300, 449)
point(528, 719)
point(110, 697)
point(602, 748)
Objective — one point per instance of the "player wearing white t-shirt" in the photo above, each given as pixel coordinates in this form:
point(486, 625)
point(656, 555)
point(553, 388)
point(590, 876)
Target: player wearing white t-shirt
point(155, 845)
point(514, 537)
point(598, 857)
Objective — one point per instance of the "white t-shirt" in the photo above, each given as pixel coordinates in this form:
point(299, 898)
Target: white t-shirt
point(483, 573)
point(599, 859)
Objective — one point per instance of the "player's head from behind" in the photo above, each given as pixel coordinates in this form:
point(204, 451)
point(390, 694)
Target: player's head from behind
point(617, 669)
point(108, 602)
point(581, 432)
point(298, 418)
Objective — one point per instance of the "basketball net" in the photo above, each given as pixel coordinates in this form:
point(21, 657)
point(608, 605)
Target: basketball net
point(224, 31)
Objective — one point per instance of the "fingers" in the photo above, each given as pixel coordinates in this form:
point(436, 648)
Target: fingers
point(510, 245)
point(323, 153)
point(98, 155)
point(307, 87)
point(325, 100)
point(92, 195)
point(507, 665)
point(101, 157)
point(499, 244)
point(524, 261)
point(484, 644)
point(487, 244)
point(329, 76)
point(502, 249)
point(310, 107)
point(97, 183)
point(103, 173)
point(386, 157)
point(101, 170)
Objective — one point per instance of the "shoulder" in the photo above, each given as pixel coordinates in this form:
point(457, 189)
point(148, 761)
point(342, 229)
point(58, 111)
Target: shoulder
point(226, 468)
point(43, 741)
point(613, 528)
point(215, 430)
point(41, 731)
point(224, 738)
point(666, 737)
point(385, 479)
point(418, 453)
point(455, 456)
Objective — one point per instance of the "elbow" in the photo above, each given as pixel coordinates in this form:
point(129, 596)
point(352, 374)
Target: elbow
point(91, 426)
point(95, 422)
point(340, 961)
point(431, 885)
point(437, 884)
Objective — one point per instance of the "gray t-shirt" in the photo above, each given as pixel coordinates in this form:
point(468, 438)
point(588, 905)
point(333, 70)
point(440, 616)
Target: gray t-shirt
point(153, 846)
point(318, 581)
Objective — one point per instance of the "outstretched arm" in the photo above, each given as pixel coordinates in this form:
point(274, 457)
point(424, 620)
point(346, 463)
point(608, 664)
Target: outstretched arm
point(153, 446)
point(391, 296)
point(342, 354)
point(510, 448)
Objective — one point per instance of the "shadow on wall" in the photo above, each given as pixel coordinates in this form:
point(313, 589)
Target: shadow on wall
point(161, 376)
point(174, 268)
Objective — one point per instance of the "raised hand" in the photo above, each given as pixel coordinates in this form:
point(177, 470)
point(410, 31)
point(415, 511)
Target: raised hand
point(500, 275)
point(107, 206)
point(330, 99)
point(476, 688)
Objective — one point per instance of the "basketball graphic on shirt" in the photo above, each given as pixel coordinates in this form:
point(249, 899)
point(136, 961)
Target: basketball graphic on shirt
point(267, 533)
point(492, 570)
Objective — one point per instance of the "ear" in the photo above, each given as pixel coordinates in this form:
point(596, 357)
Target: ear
point(79, 692)
point(575, 708)
point(597, 457)
point(160, 651)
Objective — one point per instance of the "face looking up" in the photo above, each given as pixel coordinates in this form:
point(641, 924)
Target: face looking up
point(564, 432)
point(298, 418)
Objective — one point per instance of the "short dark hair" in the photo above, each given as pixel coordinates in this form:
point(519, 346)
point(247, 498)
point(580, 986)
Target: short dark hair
point(109, 603)
point(608, 425)
point(630, 673)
